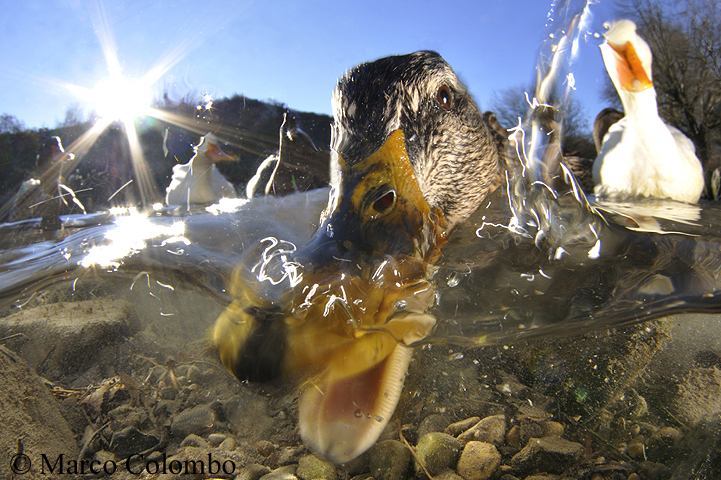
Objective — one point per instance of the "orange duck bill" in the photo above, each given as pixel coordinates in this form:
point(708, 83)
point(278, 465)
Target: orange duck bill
point(356, 301)
point(631, 74)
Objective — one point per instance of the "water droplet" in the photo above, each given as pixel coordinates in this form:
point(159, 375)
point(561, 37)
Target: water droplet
point(379, 418)
point(456, 356)
point(358, 413)
point(453, 280)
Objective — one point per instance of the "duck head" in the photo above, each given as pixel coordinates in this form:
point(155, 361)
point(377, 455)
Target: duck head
point(208, 152)
point(412, 158)
point(627, 57)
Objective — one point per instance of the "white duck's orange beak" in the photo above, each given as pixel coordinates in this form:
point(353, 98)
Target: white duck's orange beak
point(216, 154)
point(631, 74)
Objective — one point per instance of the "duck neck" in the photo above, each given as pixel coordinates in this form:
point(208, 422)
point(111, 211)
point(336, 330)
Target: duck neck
point(200, 165)
point(641, 106)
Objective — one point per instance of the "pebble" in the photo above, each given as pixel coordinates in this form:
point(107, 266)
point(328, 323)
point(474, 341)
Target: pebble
point(311, 467)
point(252, 471)
point(130, 440)
point(552, 429)
point(447, 475)
point(284, 456)
point(636, 447)
point(193, 440)
point(437, 451)
point(489, 430)
point(196, 420)
point(228, 444)
point(513, 437)
point(529, 429)
point(388, 460)
point(669, 434)
point(215, 439)
point(456, 428)
point(194, 374)
point(282, 473)
point(362, 476)
point(547, 454)
point(478, 461)
point(432, 423)
point(265, 448)
point(511, 387)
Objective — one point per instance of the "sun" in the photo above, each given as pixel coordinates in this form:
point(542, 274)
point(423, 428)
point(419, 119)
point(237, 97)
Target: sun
point(122, 99)
point(119, 99)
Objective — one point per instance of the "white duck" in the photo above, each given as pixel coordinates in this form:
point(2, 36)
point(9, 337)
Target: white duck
point(199, 181)
point(641, 154)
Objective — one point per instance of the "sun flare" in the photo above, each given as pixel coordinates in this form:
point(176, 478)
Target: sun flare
point(121, 99)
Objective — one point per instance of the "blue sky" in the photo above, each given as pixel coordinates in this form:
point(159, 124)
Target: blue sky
point(289, 51)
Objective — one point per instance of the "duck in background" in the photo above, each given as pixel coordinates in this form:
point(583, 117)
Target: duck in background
point(602, 124)
point(641, 155)
point(199, 181)
point(40, 196)
point(581, 167)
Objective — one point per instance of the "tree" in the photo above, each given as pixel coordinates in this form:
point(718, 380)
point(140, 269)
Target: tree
point(685, 41)
point(73, 116)
point(10, 124)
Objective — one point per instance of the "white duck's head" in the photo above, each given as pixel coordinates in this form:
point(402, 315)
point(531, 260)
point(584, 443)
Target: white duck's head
point(208, 152)
point(627, 57)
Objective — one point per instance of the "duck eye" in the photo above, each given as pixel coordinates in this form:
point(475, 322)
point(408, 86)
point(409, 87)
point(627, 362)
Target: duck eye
point(444, 97)
point(385, 202)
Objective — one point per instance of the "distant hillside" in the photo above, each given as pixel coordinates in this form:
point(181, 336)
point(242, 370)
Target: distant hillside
point(249, 129)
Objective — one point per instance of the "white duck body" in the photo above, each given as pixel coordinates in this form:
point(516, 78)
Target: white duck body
point(642, 155)
point(199, 181)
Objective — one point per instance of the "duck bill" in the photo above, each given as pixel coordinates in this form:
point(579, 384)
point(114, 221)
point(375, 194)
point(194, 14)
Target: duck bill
point(216, 154)
point(342, 418)
point(348, 324)
point(383, 235)
point(631, 74)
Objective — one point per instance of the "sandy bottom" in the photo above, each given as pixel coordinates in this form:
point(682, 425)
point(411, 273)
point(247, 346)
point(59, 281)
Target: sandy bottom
point(95, 373)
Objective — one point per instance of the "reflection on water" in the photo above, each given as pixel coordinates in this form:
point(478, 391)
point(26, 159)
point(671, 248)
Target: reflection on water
point(498, 277)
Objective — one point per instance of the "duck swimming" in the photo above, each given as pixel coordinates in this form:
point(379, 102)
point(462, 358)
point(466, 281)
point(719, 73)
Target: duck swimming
point(641, 155)
point(199, 181)
point(411, 159)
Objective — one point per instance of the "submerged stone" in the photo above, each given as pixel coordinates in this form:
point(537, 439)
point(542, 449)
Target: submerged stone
point(478, 461)
point(437, 451)
point(389, 460)
point(547, 454)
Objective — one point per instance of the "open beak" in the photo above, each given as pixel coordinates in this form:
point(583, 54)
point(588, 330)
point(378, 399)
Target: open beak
point(347, 324)
point(216, 154)
point(632, 76)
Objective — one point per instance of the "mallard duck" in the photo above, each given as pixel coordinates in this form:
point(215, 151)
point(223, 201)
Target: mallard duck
point(602, 124)
point(411, 159)
point(641, 155)
point(199, 181)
